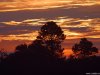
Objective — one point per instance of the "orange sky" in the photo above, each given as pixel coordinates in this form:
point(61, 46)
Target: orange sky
point(68, 52)
point(15, 5)
point(20, 20)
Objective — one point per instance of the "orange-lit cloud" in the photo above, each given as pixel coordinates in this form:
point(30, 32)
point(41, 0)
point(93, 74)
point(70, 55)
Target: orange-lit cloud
point(73, 28)
point(12, 23)
point(15, 5)
point(29, 36)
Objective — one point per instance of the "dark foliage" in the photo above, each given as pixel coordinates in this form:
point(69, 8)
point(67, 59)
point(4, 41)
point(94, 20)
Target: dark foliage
point(21, 47)
point(84, 49)
point(41, 57)
point(51, 36)
point(3, 54)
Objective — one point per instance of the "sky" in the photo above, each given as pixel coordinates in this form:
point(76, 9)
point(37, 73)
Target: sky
point(20, 21)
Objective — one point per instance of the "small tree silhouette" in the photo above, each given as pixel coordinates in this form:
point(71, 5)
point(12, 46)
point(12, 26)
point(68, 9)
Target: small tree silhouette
point(51, 36)
point(3, 54)
point(21, 47)
point(84, 49)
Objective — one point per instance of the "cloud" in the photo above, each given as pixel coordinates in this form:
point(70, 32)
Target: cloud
point(80, 29)
point(79, 12)
point(6, 0)
point(17, 29)
point(15, 5)
point(21, 20)
point(72, 27)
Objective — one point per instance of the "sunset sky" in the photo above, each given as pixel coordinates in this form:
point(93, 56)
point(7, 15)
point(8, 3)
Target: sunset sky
point(20, 20)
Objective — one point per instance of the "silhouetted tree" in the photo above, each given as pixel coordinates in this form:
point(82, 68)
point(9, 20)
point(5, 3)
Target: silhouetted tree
point(3, 54)
point(38, 58)
point(40, 52)
point(84, 49)
point(51, 36)
point(21, 47)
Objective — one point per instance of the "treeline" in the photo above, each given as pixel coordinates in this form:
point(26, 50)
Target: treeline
point(45, 56)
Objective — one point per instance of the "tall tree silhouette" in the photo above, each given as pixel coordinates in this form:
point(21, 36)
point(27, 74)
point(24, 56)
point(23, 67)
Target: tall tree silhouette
point(84, 49)
point(52, 36)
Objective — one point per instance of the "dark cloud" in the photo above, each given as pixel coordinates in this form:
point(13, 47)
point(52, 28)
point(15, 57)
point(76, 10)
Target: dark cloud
point(93, 33)
point(79, 29)
point(17, 29)
point(73, 23)
point(79, 12)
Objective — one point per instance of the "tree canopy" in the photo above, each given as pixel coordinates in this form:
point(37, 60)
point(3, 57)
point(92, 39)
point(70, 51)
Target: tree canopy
point(47, 46)
point(21, 47)
point(84, 48)
point(51, 36)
